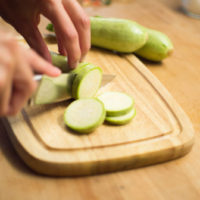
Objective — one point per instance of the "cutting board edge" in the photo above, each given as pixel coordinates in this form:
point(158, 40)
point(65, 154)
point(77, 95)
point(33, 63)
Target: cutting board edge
point(101, 166)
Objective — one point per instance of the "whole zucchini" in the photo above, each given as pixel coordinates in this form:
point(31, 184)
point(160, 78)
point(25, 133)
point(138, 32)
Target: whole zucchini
point(117, 34)
point(127, 36)
point(157, 47)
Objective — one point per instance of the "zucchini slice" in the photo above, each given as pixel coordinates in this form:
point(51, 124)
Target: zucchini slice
point(84, 115)
point(87, 80)
point(122, 119)
point(116, 103)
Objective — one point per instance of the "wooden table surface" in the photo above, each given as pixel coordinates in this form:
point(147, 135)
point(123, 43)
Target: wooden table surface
point(174, 180)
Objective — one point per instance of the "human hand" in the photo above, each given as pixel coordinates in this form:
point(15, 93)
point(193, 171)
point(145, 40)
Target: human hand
point(72, 26)
point(16, 74)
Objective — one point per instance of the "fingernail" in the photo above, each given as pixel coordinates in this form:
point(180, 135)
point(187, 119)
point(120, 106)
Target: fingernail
point(83, 58)
point(56, 71)
point(73, 65)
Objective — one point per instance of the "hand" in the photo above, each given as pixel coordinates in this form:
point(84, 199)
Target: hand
point(72, 26)
point(16, 74)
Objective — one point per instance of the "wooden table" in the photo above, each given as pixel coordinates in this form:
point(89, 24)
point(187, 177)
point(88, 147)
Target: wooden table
point(178, 179)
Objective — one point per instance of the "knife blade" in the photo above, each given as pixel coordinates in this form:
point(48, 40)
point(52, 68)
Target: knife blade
point(46, 87)
point(106, 78)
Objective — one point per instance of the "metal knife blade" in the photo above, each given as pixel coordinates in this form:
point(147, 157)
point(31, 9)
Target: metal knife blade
point(106, 78)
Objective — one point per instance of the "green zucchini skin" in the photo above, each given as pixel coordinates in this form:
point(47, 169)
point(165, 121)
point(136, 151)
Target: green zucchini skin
point(79, 73)
point(60, 61)
point(50, 27)
point(124, 36)
point(110, 105)
point(115, 34)
point(123, 119)
point(157, 47)
point(53, 89)
point(91, 127)
point(119, 35)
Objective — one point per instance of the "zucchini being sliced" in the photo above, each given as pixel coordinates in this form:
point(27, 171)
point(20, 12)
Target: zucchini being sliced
point(53, 89)
point(82, 82)
point(87, 80)
point(61, 62)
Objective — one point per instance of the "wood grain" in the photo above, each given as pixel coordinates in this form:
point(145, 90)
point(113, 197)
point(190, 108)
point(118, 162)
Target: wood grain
point(174, 180)
point(160, 131)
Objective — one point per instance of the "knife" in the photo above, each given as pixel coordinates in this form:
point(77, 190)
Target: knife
point(106, 78)
point(56, 90)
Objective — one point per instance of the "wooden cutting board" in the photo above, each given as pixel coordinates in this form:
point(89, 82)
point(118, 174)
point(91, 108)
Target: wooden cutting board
point(161, 131)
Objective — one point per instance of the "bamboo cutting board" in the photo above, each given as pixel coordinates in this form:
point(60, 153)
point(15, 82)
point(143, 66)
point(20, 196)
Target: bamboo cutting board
point(160, 131)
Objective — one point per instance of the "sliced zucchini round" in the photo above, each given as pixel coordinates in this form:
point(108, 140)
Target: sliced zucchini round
point(87, 81)
point(81, 66)
point(116, 103)
point(84, 115)
point(122, 119)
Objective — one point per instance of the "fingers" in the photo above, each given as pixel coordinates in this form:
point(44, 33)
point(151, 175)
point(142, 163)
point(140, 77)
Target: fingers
point(6, 71)
point(23, 87)
point(40, 65)
point(21, 84)
point(72, 28)
point(82, 23)
point(12, 75)
point(34, 38)
point(16, 74)
point(5, 87)
point(61, 47)
point(66, 33)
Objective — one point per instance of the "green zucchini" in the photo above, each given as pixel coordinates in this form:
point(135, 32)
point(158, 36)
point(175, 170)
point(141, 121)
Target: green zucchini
point(121, 119)
point(84, 115)
point(53, 89)
point(157, 47)
point(60, 61)
point(87, 80)
point(50, 27)
point(120, 35)
point(82, 82)
point(116, 103)
point(127, 36)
